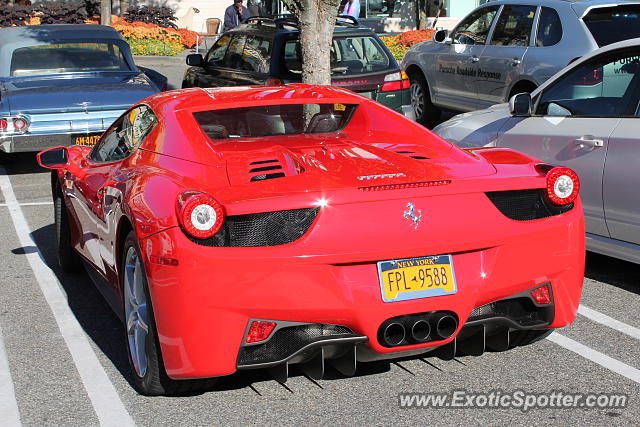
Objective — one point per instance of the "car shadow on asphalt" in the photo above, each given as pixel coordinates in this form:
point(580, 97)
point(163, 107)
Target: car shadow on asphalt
point(104, 328)
point(21, 163)
point(612, 271)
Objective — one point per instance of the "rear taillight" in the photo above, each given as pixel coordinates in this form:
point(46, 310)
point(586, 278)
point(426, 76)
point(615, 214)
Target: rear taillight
point(593, 78)
point(19, 124)
point(396, 81)
point(541, 295)
point(200, 215)
point(259, 331)
point(273, 82)
point(563, 186)
point(3, 124)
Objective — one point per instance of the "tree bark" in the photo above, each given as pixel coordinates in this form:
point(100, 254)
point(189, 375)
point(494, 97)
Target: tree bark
point(422, 13)
point(317, 19)
point(124, 5)
point(105, 12)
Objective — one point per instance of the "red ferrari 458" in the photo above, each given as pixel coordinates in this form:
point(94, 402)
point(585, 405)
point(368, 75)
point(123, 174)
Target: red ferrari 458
point(259, 227)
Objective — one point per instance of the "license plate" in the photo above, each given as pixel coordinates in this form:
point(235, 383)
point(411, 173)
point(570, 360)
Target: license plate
point(89, 139)
point(413, 278)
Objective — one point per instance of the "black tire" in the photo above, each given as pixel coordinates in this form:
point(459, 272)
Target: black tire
point(68, 259)
point(5, 158)
point(155, 381)
point(426, 113)
point(522, 338)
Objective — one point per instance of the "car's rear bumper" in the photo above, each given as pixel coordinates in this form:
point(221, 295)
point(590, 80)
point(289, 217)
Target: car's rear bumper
point(204, 304)
point(59, 129)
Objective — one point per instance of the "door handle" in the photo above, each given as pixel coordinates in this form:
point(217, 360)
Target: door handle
point(516, 61)
point(588, 141)
point(474, 59)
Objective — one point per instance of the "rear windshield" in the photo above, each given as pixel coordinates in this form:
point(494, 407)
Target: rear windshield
point(613, 24)
point(269, 120)
point(349, 55)
point(67, 58)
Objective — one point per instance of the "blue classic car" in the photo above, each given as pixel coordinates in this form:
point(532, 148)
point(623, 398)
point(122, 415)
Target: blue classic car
point(64, 84)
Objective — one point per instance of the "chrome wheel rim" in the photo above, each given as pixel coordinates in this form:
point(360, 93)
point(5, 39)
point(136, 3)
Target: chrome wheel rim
point(417, 99)
point(135, 306)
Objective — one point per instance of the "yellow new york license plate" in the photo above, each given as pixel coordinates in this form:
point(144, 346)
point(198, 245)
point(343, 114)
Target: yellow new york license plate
point(412, 278)
point(90, 139)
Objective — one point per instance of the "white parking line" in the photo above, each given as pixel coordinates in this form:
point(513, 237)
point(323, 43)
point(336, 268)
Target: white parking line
point(28, 204)
point(9, 414)
point(595, 356)
point(105, 400)
point(610, 322)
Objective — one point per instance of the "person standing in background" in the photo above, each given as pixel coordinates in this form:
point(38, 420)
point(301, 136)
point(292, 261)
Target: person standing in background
point(352, 8)
point(234, 15)
point(255, 8)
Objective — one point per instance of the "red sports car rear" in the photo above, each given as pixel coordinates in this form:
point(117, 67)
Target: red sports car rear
point(243, 228)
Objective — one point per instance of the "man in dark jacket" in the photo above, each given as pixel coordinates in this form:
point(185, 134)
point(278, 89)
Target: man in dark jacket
point(234, 15)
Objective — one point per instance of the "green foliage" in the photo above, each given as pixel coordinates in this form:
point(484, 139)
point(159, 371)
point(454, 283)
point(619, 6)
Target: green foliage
point(153, 47)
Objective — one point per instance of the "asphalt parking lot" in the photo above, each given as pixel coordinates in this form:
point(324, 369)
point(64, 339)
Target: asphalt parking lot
point(63, 360)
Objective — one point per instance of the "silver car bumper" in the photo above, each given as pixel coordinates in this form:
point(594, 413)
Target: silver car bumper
point(52, 130)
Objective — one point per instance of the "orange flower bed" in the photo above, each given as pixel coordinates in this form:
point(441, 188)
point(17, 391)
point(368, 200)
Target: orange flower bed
point(143, 30)
point(410, 38)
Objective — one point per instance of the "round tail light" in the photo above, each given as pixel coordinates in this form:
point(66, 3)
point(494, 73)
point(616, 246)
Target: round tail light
point(563, 186)
point(3, 124)
point(200, 215)
point(19, 123)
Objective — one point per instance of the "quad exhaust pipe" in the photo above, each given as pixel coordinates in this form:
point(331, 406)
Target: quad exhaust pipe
point(417, 328)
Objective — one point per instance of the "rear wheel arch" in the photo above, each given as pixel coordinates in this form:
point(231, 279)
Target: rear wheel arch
point(123, 230)
point(415, 70)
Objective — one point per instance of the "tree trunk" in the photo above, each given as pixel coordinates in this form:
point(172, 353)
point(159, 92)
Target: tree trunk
point(105, 12)
point(423, 13)
point(317, 19)
point(124, 5)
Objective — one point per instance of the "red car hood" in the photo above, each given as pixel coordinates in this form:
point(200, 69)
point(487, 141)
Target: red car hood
point(319, 163)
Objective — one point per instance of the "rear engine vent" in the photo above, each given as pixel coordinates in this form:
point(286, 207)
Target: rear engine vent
point(262, 229)
point(526, 205)
point(265, 169)
point(413, 155)
point(519, 310)
point(287, 341)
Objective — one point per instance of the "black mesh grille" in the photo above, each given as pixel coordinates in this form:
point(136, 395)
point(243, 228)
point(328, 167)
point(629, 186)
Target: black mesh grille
point(526, 205)
point(262, 229)
point(287, 341)
point(520, 310)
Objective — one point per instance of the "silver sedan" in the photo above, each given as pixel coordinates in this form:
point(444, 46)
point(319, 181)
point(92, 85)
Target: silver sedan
point(506, 47)
point(586, 117)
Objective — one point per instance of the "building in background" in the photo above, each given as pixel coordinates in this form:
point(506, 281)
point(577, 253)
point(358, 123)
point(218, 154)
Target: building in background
point(381, 15)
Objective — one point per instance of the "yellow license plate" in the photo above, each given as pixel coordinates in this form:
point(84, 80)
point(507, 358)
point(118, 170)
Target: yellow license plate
point(86, 139)
point(412, 278)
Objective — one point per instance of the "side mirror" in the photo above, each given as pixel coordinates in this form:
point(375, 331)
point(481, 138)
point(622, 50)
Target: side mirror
point(520, 105)
point(195, 60)
point(440, 36)
point(53, 158)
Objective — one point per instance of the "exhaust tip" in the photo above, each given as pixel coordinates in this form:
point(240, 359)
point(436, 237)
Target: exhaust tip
point(444, 325)
point(420, 331)
point(393, 334)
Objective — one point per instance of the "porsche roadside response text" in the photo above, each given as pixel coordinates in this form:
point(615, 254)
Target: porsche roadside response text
point(470, 72)
point(517, 399)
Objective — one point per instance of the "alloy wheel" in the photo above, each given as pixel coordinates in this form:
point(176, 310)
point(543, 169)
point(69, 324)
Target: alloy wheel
point(417, 99)
point(136, 312)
